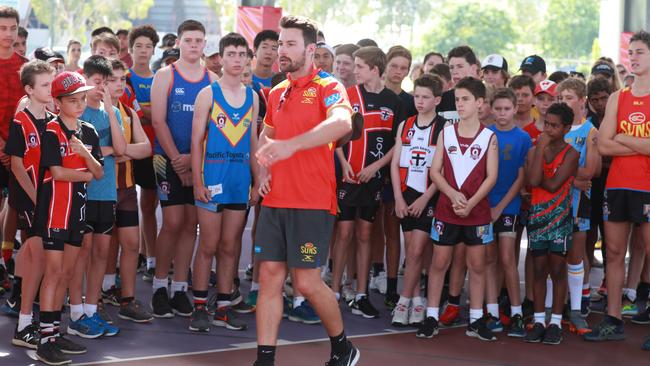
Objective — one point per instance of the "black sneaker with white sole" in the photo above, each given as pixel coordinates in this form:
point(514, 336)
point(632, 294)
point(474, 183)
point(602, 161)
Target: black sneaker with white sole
point(553, 335)
point(364, 307)
point(349, 358)
point(428, 328)
point(50, 354)
point(28, 337)
point(181, 304)
point(478, 329)
point(69, 347)
point(160, 304)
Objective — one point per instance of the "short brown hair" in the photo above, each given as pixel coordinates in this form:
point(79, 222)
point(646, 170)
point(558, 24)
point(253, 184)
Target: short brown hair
point(35, 67)
point(9, 12)
point(118, 64)
point(190, 25)
point(346, 49)
point(441, 70)
point(473, 85)
point(399, 51)
point(504, 93)
point(522, 81)
point(465, 52)
point(576, 85)
point(107, 38)
point(431, 82)
point(373, 56)
point(145, 30)
point(641, 36)
point(307, 26)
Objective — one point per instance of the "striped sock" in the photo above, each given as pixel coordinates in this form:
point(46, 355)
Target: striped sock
point(46, 326)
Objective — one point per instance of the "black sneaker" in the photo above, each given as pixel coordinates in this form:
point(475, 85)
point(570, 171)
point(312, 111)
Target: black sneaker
point(236, 297)
point(536, 334)
point(350, 358)
point(28, 337)
point(478, 329)
point(642, 318)
point(112, 296)
point(181, 304)
point(391, 301)
point(606, 331)
point(135, 312)
point(364, 308)
point(147, 276)
point(553, 335)
point(200, 320)
point(69, 347)
point(160, 304)
point(517, 327)
point(50, 354)
point(428, 328)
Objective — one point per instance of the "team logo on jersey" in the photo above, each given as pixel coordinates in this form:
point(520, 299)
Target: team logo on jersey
point(378, 196)
point(32, 140)
point(580, 141)
point(507, 221)
point(482, 230)
point(409, 134)
point(452, 150)
point(385, 113)
point(475, 151)
point(309, 93)
point(418, 157)
point(355, 107)
point(179, 91)
point(440, 227)
point(308, 251)
point(63, 147)
point(221, 120)
point(636, 118)
point(306, 100)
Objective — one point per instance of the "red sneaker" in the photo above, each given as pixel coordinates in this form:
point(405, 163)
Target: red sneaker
point(450, 315)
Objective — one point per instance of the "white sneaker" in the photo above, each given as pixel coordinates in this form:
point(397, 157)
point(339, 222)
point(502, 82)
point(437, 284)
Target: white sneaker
point(400, 316)
point(347, 292)
point(418, 313)
point(381, 282)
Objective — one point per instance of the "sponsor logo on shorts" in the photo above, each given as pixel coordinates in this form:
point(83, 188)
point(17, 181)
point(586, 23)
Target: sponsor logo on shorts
point(341, 194)
point(507, 221)
point(164, 187)
point(258, 249)
point(308, 252)
point(558, 241)
point(430, 212)
point(482, 230)
point(440, 227)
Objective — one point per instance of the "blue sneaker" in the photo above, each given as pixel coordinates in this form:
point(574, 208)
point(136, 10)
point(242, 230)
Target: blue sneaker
point(494, 324)
point(252, 297)
point(86, 327)
point(304, 314)
point(109, 330)
point(10, 308)
point(646, 344)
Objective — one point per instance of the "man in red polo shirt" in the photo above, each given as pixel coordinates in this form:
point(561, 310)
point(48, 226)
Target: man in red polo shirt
point(305, 115)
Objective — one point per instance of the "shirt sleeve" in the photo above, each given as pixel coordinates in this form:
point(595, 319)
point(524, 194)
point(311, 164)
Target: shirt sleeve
point(50, 150)
point(268, 116)
point(16, 143)
point(334, 95)
point(527, 144)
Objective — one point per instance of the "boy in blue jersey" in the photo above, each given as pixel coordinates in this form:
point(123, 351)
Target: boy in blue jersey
point(265, 46)
point(142, 44)
point(505, 202)
point(224, 137)
point(173, 94)
point(582, 137)
point(100, 205)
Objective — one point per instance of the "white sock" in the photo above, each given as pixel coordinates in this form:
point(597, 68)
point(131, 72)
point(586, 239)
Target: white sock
point(151, 262)
point(630, 293)
point(24, 320)
point(417, 301)
point(515, 310)
point(404, 301)
point(108, 282)
point(297, 301)
point(337, 295)
point(576, 275)
point(540, 318)
point(434, 312)
point(178, 287)
point(159, 283)
point(548, 302)
point(359, 296)
point(76, 312)
point(255, 286)
point(90, 309)
point(475, 314)
point(493, 309)
point(556, 319)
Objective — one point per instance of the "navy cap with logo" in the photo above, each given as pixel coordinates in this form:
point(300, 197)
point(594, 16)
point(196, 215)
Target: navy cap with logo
point(603, 69)
point(533, 64)
point(174, 53)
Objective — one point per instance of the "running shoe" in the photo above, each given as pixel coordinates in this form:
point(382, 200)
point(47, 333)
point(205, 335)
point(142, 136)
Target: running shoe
point(517, 327)
point(418, 313)
point(286, 306)
point(135, 312)
point(428, 328)
point(606, 331)
point(478, 329)
point(642, 318)
point(200, 320)
point(225, 317)
point(86, 327)
point(28, 337)
point(347, 292)
point(147, 276)
point(181, 304)
point(248, 275)
point(585, 306)
point(535, 334)
point(103, 314)
point(379, 283)
point(630, 309)
point(142, 263)
point(391, 301)
point(304, 313)
point(251, 299)
point(160, 304)
point(450, 315)
point(553, 335)
point(50, 353)
point(109, 330)
point(112, 296)
point(578, 324)
point(11, 308)
point(235, 297)
point(350, 358)
point(69, 347)
point(243, 308)
point(400, 316)
point(494, 324)
point(364, 308)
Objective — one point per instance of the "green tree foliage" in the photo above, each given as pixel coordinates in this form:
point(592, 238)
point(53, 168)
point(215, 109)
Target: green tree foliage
point(570, 28)
point(74, 18)
point(484, 27)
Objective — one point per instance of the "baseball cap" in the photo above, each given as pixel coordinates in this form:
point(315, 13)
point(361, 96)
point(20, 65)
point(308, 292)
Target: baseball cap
point(326, 46)
point(171, 53)
point(69, 83)
point(211, 46)
point(533, 64)
point(169, 40)
point(546, 86)
point(495, 61)
point(46, 54)
point(604, 69)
